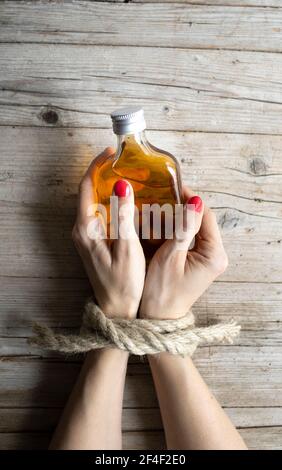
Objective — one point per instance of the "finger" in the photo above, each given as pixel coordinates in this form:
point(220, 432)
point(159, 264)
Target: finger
point(123, 214)
point(95, 228)
point(187, 226)
point(191, 198)
point(187, 193)
point(86, 198)
point(90, 229)
point(195, 205)
point(209, 230)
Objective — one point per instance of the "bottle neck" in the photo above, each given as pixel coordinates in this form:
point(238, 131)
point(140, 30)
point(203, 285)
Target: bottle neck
point(136, 138)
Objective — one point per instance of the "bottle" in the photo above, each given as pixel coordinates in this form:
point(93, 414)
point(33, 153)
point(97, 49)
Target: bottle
point(153, 173)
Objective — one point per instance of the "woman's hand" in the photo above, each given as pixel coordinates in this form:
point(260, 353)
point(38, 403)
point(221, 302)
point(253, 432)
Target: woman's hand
point(177, 277)
point(116, 272)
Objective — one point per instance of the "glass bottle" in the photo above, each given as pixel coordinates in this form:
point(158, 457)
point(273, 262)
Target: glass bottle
point(153, 173)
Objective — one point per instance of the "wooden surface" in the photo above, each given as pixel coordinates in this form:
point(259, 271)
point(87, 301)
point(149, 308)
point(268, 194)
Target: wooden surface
point(209, 75)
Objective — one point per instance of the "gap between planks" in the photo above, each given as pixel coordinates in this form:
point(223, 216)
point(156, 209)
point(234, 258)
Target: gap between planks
point(149, 129)
point(20, 126)
point(75, 44)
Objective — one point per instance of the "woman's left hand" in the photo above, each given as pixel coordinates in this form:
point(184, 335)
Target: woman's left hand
point(178, 276)
point(116, 272)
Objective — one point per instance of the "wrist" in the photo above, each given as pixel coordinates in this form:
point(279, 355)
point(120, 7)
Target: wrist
point(156, 312)
point(125, 310)
point(150, 311)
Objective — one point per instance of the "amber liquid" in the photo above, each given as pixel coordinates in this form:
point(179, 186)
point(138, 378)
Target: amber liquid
point(153, 173)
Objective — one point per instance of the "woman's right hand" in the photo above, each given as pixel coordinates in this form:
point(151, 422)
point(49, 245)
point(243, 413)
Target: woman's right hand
point(116, 273)
point(176, 277)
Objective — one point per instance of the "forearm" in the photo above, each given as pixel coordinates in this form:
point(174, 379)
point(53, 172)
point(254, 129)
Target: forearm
point(92, 417)
point(192, 417)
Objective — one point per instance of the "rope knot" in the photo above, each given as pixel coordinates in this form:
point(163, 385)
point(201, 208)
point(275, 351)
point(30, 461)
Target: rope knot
point(138, 337)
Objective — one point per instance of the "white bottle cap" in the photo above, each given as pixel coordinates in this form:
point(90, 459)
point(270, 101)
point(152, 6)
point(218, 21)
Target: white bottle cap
point(128, 120)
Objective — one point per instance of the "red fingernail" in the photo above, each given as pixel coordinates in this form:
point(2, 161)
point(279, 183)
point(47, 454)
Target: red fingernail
point(197, 202)
point(121, 188)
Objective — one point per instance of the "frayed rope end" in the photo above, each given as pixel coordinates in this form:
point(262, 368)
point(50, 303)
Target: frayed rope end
point(42, 335)
point(232, 331)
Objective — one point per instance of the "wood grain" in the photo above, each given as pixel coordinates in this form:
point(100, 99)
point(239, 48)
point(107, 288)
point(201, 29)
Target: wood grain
point(199, 90)
point(134, 419)
point(239, 376)
point(161, 25)
point(257, 438)
point(33, 427)
point(208, 74)
point(59, 303)
point(241, 3)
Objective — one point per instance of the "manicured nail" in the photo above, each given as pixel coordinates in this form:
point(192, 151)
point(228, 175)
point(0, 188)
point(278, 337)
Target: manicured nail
point(121, 188)
point(197, 202)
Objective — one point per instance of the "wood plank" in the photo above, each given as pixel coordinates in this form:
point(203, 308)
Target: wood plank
point(256, 438)
point(55, 255)
point(199, 90)
point(247, 167)
point(135, 440)
point(238, 175)
point(134, 419)
point(161, 25)
point(263, 438)
point(239, 376)
point(24, 441)
point(240, 3)
point(45, 419)
point(264, 426)
point(255, 417)
point(59, 303)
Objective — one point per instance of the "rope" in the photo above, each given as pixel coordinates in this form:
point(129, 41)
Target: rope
point(137, 336)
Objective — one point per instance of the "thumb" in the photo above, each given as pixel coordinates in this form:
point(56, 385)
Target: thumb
point(189, 224)
point(188, 219)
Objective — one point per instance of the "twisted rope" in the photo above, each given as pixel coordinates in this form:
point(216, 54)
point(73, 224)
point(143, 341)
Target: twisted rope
point(137, 336)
